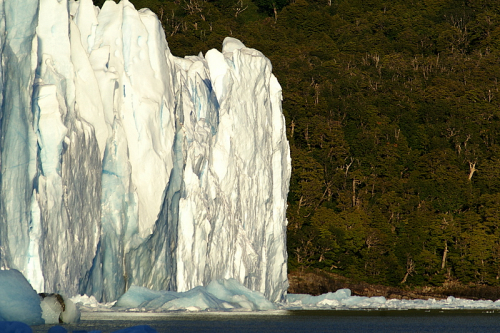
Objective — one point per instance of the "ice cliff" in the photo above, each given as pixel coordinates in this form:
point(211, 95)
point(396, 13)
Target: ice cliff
point(123, 165)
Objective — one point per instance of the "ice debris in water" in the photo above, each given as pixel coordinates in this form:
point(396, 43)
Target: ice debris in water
point(223, 294)
point(342, 299)
point(229, 295)
point(123, 165)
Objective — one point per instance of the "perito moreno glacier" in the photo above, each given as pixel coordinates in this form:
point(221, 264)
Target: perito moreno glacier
point(124, 165)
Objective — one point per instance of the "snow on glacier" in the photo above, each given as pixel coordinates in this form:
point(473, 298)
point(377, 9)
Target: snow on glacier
point(123, 165)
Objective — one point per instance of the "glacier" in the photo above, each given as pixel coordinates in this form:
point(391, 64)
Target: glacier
point(124, 165)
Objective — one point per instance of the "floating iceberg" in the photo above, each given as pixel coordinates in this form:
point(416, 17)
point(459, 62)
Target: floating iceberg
point(19, 302)
point(123, 165)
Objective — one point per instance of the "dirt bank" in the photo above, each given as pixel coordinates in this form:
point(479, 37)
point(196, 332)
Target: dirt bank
point(316, 282)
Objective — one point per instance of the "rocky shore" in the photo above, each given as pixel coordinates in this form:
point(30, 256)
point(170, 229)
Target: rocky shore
point(316, 282)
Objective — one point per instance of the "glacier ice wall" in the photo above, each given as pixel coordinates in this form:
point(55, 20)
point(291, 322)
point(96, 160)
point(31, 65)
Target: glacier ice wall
point(122, 164)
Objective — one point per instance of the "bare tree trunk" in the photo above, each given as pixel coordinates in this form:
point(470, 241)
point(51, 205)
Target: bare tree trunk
point(354, 183)
point(472, 167)
point(410, 269)
point(300, 204)
point(445, 253)
point(347, 166)
point(316, 92)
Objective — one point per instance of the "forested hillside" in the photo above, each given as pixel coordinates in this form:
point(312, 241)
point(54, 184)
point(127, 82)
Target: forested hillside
point(392, 112)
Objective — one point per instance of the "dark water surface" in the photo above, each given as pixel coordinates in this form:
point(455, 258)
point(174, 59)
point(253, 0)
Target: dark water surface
point(298, 321)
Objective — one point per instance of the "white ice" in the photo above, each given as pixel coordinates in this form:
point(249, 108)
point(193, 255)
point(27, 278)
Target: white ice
point(123, 165)
point(53, 311)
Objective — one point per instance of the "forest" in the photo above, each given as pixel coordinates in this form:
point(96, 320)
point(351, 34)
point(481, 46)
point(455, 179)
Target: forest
point(392, 111)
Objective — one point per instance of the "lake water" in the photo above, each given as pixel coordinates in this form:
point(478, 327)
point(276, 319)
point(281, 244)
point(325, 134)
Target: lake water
point(297, 321)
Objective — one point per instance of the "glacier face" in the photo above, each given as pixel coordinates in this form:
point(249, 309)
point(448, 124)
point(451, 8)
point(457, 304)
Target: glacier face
point(124, 165)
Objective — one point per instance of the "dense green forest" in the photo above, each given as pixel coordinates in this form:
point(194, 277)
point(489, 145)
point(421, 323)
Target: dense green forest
point(392, 111)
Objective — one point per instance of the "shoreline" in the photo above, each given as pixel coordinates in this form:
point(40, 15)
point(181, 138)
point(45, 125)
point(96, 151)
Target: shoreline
point(317, 282)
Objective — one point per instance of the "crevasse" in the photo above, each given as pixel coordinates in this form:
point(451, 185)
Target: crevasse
point(124, 165)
